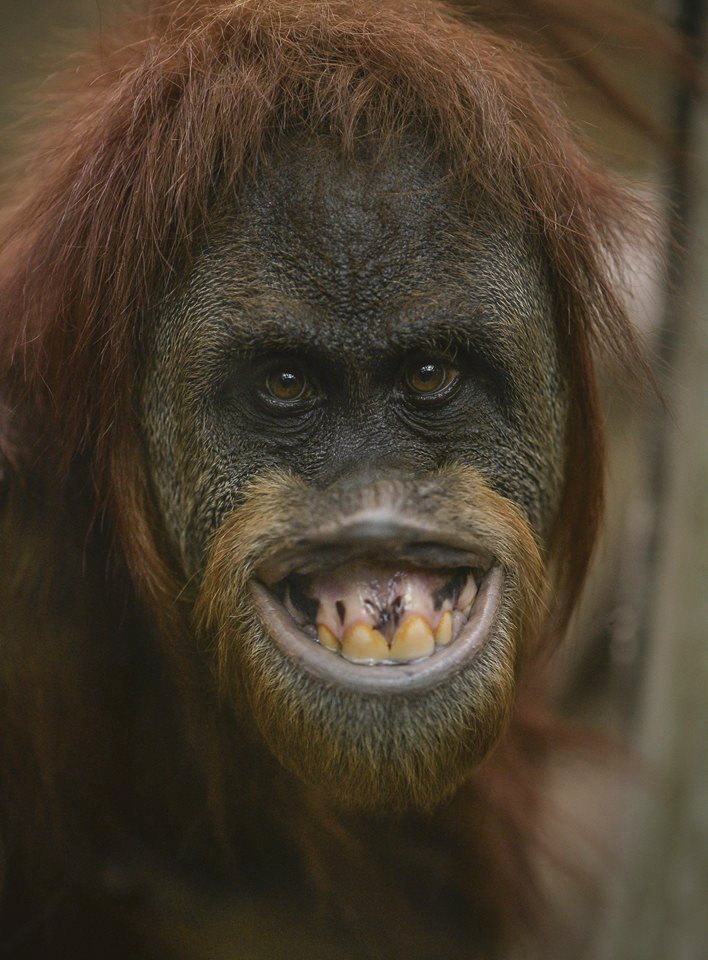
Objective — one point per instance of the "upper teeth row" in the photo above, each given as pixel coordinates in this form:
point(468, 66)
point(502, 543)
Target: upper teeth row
point(421, 627)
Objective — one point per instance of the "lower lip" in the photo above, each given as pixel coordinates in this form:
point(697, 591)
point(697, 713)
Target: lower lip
point(417, 676)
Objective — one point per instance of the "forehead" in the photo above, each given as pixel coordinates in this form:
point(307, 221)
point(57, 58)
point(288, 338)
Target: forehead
point(356, 253)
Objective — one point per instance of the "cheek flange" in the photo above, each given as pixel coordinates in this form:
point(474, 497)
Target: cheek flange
point(389, 677)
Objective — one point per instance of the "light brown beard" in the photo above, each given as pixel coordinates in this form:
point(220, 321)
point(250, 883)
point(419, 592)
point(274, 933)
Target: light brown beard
point(369, 750)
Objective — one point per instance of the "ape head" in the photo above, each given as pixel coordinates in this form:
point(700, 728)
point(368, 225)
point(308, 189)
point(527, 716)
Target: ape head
point(320, 303)
point(354, 412)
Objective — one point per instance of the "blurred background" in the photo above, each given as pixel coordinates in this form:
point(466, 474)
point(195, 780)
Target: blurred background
point(637, 663)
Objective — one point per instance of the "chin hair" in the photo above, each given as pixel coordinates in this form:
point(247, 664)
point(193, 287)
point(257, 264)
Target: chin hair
point(368, 750)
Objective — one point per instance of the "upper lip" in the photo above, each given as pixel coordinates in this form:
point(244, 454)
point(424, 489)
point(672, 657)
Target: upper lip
point(379, 536)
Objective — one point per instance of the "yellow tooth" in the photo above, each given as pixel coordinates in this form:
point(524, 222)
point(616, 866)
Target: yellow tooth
point(412, 640)
point(363, 644)
point(443, 631)
point(327, 638)
point(468, 594)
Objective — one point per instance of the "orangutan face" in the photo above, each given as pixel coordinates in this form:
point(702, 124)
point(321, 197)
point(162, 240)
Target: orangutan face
point(354, 412)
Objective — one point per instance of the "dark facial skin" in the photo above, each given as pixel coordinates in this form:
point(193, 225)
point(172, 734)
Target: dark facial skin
point(297, 347)
point(351, 274)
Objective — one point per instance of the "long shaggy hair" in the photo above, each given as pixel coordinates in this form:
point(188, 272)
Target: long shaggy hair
point(146, 140)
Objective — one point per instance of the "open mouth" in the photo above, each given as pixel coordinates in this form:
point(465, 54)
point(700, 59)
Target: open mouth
point(378, 606)
point(373, 614)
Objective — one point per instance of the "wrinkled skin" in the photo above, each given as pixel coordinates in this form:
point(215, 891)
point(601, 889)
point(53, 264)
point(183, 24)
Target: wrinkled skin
point(330, 262)
point(333, 261)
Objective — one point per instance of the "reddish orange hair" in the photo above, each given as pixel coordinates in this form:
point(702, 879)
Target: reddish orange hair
point(153, 133)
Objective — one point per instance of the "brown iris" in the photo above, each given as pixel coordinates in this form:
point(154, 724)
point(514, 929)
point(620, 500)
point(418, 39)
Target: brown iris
point(428, 377)
point(288, 384)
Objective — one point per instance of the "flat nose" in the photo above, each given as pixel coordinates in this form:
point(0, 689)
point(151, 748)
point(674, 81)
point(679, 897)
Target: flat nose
point(369, 491)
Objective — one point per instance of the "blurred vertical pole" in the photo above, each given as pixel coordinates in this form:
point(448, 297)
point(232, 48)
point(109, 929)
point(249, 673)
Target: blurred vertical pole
point(660, 901)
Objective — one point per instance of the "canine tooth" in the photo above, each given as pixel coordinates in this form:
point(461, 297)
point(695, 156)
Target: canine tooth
point(327, 638)
point(443, 631)
point(412, 640)
point(363, 644)
point(468, 594)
